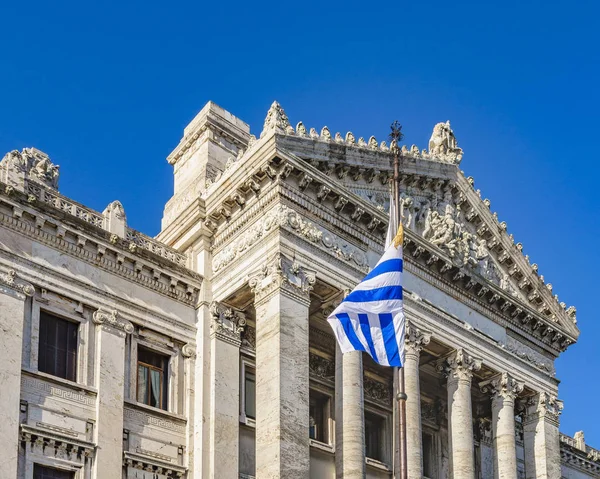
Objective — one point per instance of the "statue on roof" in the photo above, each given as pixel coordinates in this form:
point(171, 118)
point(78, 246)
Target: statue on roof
point(32, 164)
point(443, 144)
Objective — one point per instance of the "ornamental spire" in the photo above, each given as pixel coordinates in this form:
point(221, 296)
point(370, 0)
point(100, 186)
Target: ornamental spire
point(276, 120)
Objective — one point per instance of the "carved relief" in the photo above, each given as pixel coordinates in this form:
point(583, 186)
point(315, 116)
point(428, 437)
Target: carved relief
point(321, 368)
point(226, 323)
point(377, 391)
point(276, 120)
point(34, 164)
point(443, 144)
point(282, 216)
point(111, 318)
point(504, 386)
point(10, 279)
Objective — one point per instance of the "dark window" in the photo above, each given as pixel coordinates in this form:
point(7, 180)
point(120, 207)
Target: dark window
point(374, 430)
point(250, 393)
point(428, 455)
point(152, 378)
point(319, 416)
point(43, 472)
point(58, 347)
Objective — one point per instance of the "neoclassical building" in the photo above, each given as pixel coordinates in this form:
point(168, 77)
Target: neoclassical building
point(205, 353)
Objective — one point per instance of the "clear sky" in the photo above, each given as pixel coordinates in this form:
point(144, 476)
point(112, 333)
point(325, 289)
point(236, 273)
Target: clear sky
point(106, 88)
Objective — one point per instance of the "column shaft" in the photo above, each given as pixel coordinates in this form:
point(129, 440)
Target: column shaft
point(505, 446)
point(350, 426)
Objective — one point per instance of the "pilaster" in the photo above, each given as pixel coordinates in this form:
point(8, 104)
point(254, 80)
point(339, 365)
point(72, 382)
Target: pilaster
point(13, 298)
point(111, 331)
point(226, 327)
point(414, 341)
point(282, 290)
point(459, 368)
point(541, 437)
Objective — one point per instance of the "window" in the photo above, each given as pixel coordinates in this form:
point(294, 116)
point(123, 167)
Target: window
point(374, 430)
point(249, 392)
point(152, 378)
point(428, 457)
point(319, 417)
point(43, 472)
point(57, 347)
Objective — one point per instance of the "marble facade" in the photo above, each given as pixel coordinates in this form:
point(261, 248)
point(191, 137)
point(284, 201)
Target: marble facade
point(262, 238)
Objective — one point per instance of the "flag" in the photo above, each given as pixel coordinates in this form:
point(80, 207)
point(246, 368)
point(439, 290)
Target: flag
point(371, 318)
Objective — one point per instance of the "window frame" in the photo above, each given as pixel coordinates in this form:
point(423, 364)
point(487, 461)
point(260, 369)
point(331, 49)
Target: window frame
point(164, 374)
point(385, 436)
point(327, 415)
point(39, 311)
point(245, 364)
point(72, 473)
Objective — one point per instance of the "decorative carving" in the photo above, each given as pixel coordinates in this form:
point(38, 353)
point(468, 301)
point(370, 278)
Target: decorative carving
point(350, 140)
point(325, 134)
point(112, 318)
point(321, 368)
point(276, 120)
point(544, 405)
point(249, 337)
point(460, 366)
point(301, 129)
point(188, 350)
point(226, 323)
point(377, 391)
point(443, 145)
point(280, 272)
point(504, 387)
point(532, 357)
point(34, 165)
point(282, 216)
point(415, 339)
point(10, 279)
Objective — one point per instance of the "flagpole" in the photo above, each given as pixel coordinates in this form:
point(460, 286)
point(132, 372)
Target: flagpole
point(401, 397)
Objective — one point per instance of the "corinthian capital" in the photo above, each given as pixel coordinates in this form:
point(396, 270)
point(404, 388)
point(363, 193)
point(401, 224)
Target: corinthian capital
point(504, 386)
point(415, 339)
point(460, 366)
point(546, 406)
point(280, 272)
point(226, 323)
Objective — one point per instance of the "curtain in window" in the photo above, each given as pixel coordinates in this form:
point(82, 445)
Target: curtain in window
point(142, 387)
point(156, 385)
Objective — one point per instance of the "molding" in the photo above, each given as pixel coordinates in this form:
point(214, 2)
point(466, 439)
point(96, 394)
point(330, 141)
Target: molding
point(10, 280)
point(112, 318)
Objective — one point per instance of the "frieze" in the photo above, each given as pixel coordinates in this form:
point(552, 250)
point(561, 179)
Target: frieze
point(147, 419)
point(282, 216)
point(528, 354)
point(31, 384)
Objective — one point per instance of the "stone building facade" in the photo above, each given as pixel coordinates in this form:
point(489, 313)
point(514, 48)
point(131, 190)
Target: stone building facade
point(204, 352)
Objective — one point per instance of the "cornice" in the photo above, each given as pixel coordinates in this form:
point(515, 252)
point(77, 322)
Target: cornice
point(183, 286)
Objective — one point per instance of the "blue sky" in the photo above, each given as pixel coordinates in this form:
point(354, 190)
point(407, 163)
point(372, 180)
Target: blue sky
point(106, 90)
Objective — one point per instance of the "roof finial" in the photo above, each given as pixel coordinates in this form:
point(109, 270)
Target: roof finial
point(276, 120)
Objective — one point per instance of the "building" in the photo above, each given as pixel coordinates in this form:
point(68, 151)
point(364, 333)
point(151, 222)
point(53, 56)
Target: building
point(204, 352)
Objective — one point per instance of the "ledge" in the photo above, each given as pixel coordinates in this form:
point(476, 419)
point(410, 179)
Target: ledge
point(382, 466)
point(321, 446)
point(154, 411)
point(60, 381)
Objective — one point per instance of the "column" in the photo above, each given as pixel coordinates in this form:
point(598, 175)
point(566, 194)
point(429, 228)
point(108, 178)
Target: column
point(415, 339)
point(111, 331)
point(13, 294)
point(541, 438)
point(349, 416)
point(282, 300)
point(459, 370)
point(504, 391)
point(226, 326)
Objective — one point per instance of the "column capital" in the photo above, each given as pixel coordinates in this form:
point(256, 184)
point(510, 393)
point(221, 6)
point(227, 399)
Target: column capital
point(281, 273)
point(11, 280)
point(459, 366)
point(226, 323)
point(544, 405)
point(112, 319)
point(503, 386)
point(415, 339)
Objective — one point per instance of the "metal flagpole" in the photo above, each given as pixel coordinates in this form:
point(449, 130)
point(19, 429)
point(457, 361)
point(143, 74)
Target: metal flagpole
point(396, 135)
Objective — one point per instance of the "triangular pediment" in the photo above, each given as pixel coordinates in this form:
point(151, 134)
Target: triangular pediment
point(439, 204)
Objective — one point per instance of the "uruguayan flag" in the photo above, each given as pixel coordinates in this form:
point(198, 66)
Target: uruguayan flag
point(370, 318)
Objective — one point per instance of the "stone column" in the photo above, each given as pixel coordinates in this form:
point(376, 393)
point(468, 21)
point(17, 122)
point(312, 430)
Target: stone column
point(415, 339)
point(349, 416)
point(13, 296)
point(226, 326)
point(459, 370)
point(282, 291)
point(541, 438)
point(111, 331)
point(504, 391)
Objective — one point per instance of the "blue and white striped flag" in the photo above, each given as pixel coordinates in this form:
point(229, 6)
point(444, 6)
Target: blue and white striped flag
point(370, 318)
